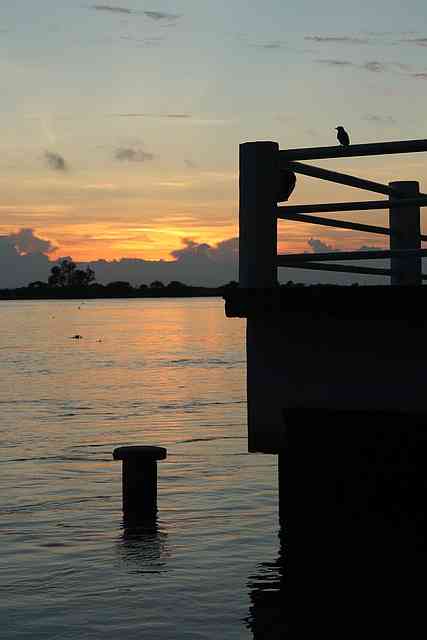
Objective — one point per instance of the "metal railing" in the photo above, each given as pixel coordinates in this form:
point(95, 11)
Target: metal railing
point(261, 166)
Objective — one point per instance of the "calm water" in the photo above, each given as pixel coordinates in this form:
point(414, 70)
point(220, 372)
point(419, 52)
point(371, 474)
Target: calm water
point(167, 372)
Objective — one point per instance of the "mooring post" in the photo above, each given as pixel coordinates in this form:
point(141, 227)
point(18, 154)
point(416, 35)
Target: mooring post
point(139, 480)
point(405, 233)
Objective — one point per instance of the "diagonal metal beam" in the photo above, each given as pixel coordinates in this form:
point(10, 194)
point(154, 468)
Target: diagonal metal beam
point(340, 178)
point(328, 222)
point(342, 268)
point(287, 213)
point(355, 150)
point(301, 258)
point(331, 207)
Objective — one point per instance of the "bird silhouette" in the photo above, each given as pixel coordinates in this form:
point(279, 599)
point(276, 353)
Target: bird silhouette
point(288, 181)
point(343, 137)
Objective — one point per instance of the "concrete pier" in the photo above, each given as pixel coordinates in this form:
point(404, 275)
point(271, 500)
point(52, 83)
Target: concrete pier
point(336, 378)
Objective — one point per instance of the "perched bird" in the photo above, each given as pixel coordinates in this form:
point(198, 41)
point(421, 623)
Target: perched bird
point(288, 181)
point(343, 137)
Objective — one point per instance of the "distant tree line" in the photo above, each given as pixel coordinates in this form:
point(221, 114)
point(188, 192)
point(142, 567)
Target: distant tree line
point(68, 281)
point(67, 275)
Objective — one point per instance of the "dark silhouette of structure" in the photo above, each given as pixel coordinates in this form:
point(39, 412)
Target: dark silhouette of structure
point(142, 547)
point(268, 612)
point(343, 137)
point(139, 480)
point(288, 181)
point(335, 389)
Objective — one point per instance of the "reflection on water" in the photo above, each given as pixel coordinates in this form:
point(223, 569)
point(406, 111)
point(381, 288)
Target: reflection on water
point(268, 613)
point(142, 547)
point(167, 372)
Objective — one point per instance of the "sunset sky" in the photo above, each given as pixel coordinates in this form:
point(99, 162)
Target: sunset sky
point(121, 121)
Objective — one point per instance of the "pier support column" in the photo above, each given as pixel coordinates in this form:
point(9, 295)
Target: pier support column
point(259, 188)
point(139, 478)
point(405, 234)
point(283, 468)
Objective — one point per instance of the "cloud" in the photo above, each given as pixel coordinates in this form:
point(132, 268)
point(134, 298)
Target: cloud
point(25, 241)
point(129, 154)
point(402, 67)
point(374, 66)
point(158, 16)
point(379, 119)
point(144, 42)
point(318, 246)
point(195, 263)
point(55, 161)
point(365, 247)
point(192, 250)
point(275, 44)
point(23, 258)
point(338, 39)
point(102, 186)
point(172, 116)
point(190, 164)
point(162, 16)
point(110, 8)
point(420, 42)
point(18, 270)
point(225, 251)
point(185, 118)
point(336, 63)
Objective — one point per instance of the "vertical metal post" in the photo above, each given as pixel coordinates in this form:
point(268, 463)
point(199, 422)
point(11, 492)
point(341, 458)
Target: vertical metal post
point(259, 187)
point(405, 234)
point(259, 192)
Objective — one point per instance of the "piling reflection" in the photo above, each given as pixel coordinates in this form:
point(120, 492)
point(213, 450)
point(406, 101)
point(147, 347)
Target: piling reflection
point(142, 547)
point(268, 613)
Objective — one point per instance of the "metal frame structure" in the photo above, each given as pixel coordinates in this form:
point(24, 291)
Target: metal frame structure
point(261, 165)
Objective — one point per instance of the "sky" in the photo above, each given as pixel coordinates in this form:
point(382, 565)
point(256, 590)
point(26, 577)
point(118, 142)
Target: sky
point(121, 121)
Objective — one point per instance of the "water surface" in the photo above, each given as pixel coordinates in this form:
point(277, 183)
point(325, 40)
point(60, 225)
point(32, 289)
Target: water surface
point(169, 372)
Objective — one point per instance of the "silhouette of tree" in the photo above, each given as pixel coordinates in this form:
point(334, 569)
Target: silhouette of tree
point(157, 284)
point(67, 275)
point(120, 285)
point(176, 284)
point(82, 278)
point(37, 284)
point(233, 284)
point(56, 278)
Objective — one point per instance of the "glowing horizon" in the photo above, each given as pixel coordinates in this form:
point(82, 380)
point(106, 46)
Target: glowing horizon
point(127, 142)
